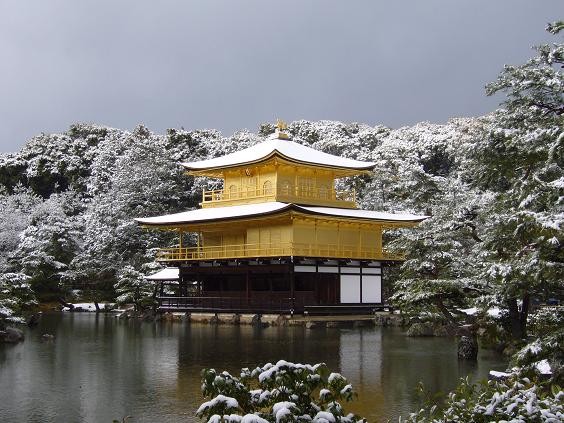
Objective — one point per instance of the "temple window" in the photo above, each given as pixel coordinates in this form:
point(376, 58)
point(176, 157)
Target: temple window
point(285, 187)
point(323, 192)
point(267, 188)
point(233, 192)
point(306, 185)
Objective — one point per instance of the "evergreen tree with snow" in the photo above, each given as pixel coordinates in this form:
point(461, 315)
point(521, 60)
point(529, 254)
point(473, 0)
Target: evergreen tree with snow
point(521, 161)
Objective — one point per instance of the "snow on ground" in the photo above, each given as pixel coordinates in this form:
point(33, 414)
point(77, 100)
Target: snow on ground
point(89, 306)
point(493, 312)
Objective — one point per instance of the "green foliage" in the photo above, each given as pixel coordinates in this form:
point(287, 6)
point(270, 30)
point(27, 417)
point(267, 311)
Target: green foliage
point(516, 399)
point(132, 287)
point(495, 234)
point(522, 163)
point(546, 320)
point(16, 296)
point(439, 275)
point(281, 392)
point(47, 244)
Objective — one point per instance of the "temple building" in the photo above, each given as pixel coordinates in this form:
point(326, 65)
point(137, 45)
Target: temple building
point(279, 237)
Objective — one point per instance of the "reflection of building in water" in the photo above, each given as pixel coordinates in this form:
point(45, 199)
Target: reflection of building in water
point(360, 357)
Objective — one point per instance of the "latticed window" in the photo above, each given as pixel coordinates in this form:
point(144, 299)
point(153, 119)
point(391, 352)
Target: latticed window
point(267, 188)
point(306, 185)
point(323, 192)
point(232, 192)
point(285, 187)
point(252, 187)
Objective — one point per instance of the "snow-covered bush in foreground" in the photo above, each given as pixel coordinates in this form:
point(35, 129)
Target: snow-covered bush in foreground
point(517, 399)
point(281, 392)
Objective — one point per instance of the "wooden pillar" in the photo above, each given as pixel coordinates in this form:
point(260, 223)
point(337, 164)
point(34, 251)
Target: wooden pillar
point(247, 285)
point(183, 285)
point(379, 241)
point(360, 281)
point(315, 192)
point(338, 237)
point(316, 280)
point(360, 241)
point(296, 189)
point(292, 287)
point(315, 230)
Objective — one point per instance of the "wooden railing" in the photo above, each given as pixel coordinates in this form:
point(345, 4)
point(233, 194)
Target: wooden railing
point(234, 304)
point(292, 194)
point(287, 249)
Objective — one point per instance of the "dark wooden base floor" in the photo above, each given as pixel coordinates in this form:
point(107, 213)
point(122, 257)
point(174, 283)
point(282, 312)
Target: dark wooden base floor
point(237, 305)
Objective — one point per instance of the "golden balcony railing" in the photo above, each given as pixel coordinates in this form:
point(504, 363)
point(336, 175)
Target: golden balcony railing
point(288, 249)
point(288, 194)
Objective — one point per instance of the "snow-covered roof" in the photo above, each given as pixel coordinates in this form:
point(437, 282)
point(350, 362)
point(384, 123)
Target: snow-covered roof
point(286, 149)
point(364, 214)
point(167, 274)
point(255, 210)
point(209, 214)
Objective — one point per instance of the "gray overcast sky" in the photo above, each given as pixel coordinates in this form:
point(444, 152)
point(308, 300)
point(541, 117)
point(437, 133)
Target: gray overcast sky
point(233, 64)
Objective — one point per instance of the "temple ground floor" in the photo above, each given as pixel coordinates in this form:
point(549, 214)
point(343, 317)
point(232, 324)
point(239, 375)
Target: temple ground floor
point(282, 286)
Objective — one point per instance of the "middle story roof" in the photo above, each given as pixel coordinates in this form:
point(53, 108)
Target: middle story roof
point(271, 208)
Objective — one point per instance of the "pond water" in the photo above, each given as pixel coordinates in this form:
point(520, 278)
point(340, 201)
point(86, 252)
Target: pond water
point(100, 368)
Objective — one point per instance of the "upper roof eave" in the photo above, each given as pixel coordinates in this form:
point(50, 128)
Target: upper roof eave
point(288, 150)
point(217, 171)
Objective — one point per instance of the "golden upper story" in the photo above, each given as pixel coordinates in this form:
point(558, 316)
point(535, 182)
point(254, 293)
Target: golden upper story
point(275, 180)
point(279, 170)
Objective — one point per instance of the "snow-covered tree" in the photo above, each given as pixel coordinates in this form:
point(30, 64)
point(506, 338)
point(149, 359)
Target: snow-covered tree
point(521, 161)
point(132, 288)
point(282, 392)
point(442, 263)
point(48, 244)
point(16, 296)
point(15, 216)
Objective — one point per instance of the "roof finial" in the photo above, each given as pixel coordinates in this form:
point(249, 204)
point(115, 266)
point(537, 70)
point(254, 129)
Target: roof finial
point(281, 127)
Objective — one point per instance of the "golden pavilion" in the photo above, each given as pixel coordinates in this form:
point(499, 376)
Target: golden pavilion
point(278, 237)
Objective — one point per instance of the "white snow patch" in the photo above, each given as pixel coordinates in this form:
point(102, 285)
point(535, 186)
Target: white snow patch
point(253, 418)
point(166, 274)
point(496, 374)
point(248, 210)
point(543, 367)
point(493, 312)
point(284, 148)
point(334, 376)
point(88, 306)
point(283, 409)
point(324, 417)
point(219, 400)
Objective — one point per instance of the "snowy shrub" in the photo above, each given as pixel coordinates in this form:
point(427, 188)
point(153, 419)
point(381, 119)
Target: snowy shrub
point(281, 392)
point(544, 356)
point(546, 319)
point(515, 399)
